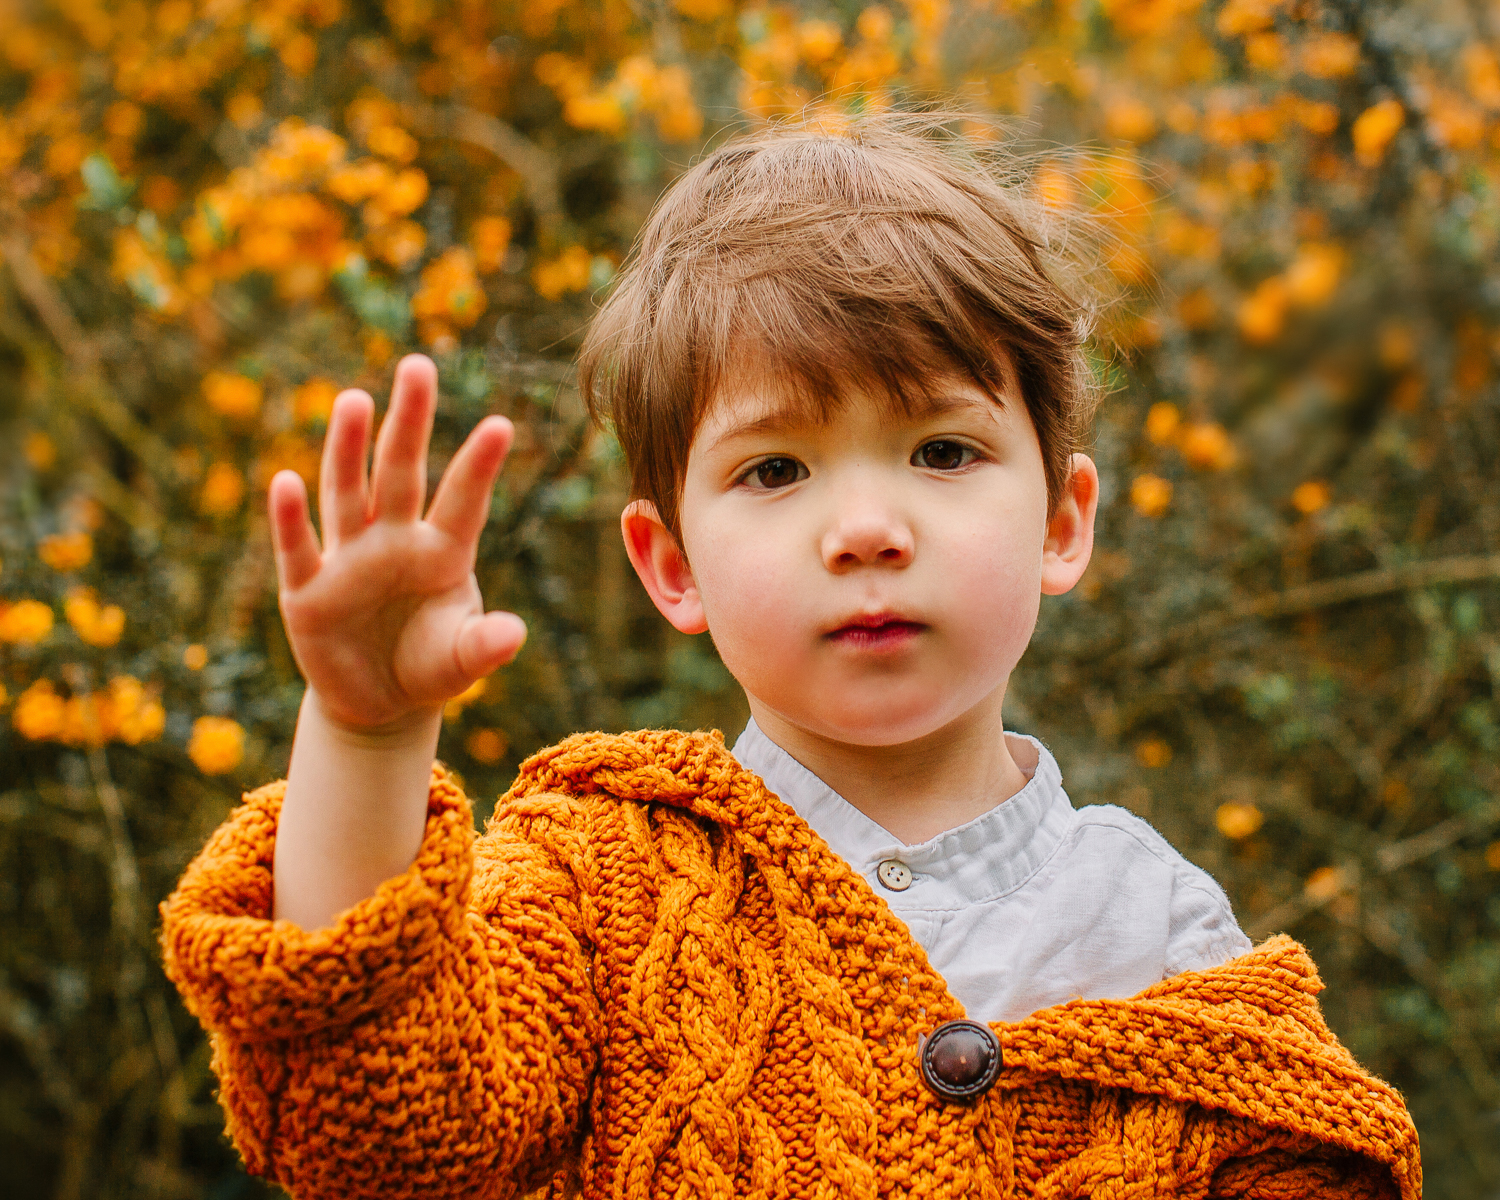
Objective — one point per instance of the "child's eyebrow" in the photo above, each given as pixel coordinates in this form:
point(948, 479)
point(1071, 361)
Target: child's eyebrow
point(927, 408)
point(771, 422)
point(944, 403)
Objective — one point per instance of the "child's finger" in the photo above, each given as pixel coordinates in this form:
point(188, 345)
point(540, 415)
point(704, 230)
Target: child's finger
point(343, 489)
point(462, 503)
point(292, 533)
point(487, 643)
point(400, 480)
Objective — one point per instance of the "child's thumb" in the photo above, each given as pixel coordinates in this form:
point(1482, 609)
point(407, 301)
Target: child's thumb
point(488, 642)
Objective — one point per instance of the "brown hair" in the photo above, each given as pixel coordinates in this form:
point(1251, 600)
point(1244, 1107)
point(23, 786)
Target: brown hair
point(885, 254)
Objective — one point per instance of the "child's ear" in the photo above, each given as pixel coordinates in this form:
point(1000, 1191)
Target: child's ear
point(1070, 529)
point(664, 570)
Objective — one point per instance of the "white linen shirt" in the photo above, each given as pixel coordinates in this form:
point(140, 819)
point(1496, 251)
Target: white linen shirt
point(1034, 902)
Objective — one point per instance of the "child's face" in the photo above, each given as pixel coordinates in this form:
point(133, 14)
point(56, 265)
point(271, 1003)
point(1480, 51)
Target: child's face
point(875, 577)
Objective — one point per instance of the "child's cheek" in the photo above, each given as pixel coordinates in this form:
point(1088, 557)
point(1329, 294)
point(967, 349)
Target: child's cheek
point(994, 598)
point(753, 616)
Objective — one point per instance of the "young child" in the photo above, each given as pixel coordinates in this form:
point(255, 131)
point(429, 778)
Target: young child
point(871, 951)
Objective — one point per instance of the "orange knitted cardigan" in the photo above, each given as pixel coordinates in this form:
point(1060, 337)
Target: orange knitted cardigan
point(651, 978)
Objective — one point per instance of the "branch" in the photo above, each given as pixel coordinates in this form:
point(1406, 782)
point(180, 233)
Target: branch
point(1379, 582)
point(1439, 837)
point(20, 1019)
point(81, 352)
point(1468, 1052)
point(1380, 933)
point(1324, 594)
point(49, 305)
point(508, 536)
point(247, 582)
point(1387, 859)
point(119, 499)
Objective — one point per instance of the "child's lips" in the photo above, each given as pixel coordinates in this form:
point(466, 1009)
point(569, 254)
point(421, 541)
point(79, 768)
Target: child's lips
point(881, 632)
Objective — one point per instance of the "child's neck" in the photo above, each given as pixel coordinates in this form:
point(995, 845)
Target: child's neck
point(918, 789)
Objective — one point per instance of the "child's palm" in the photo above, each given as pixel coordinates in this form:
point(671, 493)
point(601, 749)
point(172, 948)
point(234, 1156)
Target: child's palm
point(386, 619)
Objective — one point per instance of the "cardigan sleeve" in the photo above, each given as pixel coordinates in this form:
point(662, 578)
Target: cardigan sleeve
point(1312, 1175)
point(420, 1046)
point(1252, 1162)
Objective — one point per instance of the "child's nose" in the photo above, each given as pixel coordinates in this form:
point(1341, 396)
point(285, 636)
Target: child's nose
point(867, 537)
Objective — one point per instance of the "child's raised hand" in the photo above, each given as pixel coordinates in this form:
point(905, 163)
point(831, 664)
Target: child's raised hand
point(386, 619)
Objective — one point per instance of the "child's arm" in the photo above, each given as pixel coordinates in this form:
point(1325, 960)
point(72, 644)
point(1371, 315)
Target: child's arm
point(422, 1020)
point(386, 622)
point(438, 1039)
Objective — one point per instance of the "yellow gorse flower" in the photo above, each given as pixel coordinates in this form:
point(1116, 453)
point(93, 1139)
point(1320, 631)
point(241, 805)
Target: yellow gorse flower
point(1153, 753)
point(1150, 495)
point(639, 86)
point(40, 450)
point(217, 745)
point(487, 745)
point(1374, 129)
point(231, 395)
point(1207, 446)
point(313, 401)
point(96, 624)
point(1162, 422)
point(26, 622)
point(124, 711)
point(1238, 821)
point(1311, 496)
point(1247, 16)
point(1129, 119)
point(1324, 884)
point(223, 489)
point(490, 237)
point(1262, 314)
point(1330, 55)
point(38, 714)
point(393, 142)
point(450, 296)
point(1314, 274)
point(66, 551)
point(456, 704)
point(1482, 74)
point(568, 272)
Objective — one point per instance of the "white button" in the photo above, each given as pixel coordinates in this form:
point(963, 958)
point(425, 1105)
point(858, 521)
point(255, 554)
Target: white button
point(894, 875)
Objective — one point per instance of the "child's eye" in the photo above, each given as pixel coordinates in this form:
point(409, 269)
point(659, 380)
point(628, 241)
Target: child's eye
point(775, 473)
point(942, 455)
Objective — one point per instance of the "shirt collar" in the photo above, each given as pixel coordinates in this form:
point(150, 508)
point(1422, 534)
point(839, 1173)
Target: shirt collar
point(993, 854)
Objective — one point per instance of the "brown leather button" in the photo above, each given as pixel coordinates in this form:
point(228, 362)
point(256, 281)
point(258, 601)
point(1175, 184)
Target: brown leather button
point(959, 1060)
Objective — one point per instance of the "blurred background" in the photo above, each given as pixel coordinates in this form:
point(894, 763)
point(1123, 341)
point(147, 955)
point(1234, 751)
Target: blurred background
point(1285, 655)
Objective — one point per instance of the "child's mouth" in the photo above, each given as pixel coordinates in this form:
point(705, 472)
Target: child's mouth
point(880, 632)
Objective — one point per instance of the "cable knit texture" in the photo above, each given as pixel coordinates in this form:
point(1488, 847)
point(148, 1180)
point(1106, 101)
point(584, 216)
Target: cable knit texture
point(650, 978)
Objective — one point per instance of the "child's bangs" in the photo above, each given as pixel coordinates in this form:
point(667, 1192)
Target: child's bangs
point(816, 356)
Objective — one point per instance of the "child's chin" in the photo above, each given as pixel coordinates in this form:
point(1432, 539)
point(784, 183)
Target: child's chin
point(879, 727)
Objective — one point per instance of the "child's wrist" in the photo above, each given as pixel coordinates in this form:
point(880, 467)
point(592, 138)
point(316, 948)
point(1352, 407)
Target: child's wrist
point(413, 728)
point(354, 812)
